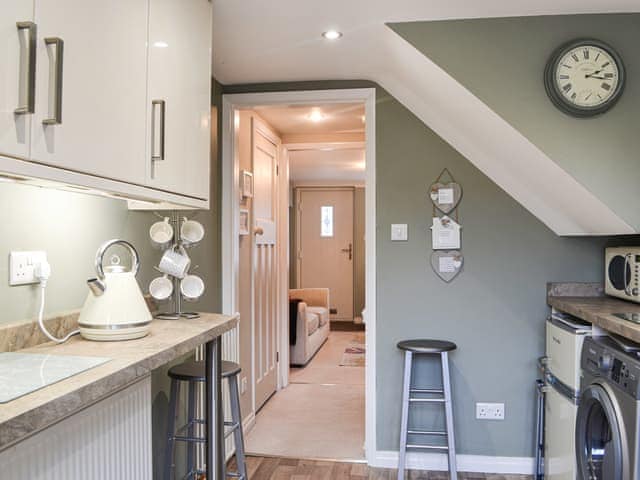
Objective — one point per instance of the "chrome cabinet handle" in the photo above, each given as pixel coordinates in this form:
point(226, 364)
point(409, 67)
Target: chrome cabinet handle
point(30, 74)
point(56, 119)
point(154, 104)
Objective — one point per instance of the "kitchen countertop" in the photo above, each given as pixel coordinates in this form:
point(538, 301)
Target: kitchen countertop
point(599, 311)
point(130, 361)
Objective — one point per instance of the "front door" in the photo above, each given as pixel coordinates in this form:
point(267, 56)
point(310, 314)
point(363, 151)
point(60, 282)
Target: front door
point(265, 279)
point(325, 245)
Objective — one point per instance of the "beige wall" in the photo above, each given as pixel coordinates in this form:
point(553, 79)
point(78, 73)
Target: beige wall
point(358, 251)
point(244, 293)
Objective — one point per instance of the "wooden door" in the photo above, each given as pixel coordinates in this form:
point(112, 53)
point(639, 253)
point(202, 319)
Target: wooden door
point(325, 246)
point(16, 77)
point(265, 265)
point(179, 76)
point(98, 78)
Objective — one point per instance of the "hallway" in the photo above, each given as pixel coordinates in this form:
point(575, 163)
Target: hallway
point(323, 402)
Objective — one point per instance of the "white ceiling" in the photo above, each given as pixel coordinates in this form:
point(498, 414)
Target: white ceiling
point(257, 41)
point(294, 119)
point(343, 166)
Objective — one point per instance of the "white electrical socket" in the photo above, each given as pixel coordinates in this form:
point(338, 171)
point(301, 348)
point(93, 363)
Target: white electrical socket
point(243, 385)
point(22, 267)
point(490, 411)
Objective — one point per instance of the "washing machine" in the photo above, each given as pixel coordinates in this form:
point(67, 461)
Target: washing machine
point(564, 340)
point(608, 419)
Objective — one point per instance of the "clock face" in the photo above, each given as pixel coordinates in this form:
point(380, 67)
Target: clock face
point(585, 78)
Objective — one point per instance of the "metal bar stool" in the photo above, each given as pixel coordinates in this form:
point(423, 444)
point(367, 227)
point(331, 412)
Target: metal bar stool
point(193, 373)
point(411, 395)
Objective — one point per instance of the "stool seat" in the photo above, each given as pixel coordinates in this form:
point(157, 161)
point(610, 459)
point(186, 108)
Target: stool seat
point(193, 371)
point(427, 346)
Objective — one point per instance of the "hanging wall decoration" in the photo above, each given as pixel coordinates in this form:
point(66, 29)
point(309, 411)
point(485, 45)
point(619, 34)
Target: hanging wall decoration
point(447, 264)
point(445, 195)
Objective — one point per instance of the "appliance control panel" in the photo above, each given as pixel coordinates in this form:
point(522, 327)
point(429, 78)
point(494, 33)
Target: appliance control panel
point(602, 358)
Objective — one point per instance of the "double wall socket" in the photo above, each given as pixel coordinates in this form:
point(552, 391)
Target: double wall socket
point(22, 267)
point(490, 411)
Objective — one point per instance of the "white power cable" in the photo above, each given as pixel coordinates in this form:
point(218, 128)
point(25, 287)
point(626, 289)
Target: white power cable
point(43, 272)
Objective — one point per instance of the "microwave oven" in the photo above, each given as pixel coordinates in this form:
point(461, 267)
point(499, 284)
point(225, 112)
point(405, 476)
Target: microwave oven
point(622, 271)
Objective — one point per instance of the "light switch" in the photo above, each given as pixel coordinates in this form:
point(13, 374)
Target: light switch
point(399, 232)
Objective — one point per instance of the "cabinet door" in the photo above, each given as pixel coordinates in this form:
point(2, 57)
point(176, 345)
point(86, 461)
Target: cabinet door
point(98, 79)
point(17, 74)
point(179, 85)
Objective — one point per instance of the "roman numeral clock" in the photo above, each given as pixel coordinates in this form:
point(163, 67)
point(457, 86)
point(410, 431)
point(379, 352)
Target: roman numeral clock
point(584, 78)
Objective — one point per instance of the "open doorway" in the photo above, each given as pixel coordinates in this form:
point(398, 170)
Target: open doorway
point(298, 267)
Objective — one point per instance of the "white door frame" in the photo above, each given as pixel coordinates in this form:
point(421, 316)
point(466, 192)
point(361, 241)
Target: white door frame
point(231, 211)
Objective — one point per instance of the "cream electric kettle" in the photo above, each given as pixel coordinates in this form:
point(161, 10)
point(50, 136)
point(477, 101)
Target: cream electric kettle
point(115, 308)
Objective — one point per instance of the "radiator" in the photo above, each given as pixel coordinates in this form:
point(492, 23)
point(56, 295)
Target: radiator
point(230, 344)
point(107, 441)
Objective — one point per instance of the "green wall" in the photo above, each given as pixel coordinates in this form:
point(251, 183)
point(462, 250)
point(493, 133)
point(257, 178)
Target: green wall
point(494, 311)
point(502, 61)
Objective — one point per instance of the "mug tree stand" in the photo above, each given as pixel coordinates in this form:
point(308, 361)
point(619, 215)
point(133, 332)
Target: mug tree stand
point(178, 313)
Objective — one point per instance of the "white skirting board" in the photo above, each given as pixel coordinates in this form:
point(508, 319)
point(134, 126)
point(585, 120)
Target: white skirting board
point(108, 440)
point(466, 463)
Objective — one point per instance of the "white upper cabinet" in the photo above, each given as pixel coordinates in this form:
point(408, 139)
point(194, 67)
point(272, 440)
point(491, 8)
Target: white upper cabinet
point(17, 76)
point(90, 87)
point(179, 96)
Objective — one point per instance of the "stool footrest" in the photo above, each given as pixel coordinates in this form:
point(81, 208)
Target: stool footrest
point(426, 390)
point(183, 438)
point(441, 448)
point(427, 400)
point(425, 432)
point(235, 475)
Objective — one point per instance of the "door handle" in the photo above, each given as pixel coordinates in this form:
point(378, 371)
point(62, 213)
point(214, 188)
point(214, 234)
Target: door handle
point(258, 231)
point(162, 105)
point(349, 251)
point(56, 119)
point(30, 75)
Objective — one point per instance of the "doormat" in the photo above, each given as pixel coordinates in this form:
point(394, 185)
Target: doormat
point(353, 355)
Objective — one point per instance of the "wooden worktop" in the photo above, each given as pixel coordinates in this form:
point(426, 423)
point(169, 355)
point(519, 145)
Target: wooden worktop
point(599, 311)
point(130, 361)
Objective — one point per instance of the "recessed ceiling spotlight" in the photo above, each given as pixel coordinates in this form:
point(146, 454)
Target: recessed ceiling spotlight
point(316, 115)
point(160, 44)
point(332, 34)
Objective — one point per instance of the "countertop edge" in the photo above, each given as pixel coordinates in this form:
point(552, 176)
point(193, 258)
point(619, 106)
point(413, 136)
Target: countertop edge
point(31, 422)
point(599, 312)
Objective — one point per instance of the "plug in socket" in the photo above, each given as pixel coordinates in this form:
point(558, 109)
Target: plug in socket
point(22, 267)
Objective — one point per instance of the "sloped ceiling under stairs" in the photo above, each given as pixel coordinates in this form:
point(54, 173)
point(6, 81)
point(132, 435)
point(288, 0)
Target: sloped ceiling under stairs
point(453, 76)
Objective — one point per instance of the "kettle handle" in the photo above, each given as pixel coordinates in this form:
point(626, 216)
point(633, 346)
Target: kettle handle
point(109, 243)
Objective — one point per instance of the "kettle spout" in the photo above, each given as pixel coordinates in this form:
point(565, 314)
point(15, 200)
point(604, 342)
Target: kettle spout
point(96, 286)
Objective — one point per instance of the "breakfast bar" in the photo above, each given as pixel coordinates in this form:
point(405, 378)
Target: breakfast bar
point(129, 362)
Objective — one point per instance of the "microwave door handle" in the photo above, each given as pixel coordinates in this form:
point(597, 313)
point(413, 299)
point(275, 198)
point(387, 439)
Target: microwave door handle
point(627, 290)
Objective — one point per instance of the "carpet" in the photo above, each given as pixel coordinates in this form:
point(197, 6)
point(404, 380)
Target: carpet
point(353, 355)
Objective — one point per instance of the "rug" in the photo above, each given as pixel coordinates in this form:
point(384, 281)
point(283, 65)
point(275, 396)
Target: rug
point(353, 355)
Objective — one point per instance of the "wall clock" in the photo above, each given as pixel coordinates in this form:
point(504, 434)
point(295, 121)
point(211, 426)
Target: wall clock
point(584, 77)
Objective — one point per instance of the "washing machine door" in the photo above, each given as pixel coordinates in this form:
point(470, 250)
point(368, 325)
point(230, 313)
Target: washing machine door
point(600, 443)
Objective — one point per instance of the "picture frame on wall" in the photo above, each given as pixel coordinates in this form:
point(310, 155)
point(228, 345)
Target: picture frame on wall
point(244, 222)
point(246, 184)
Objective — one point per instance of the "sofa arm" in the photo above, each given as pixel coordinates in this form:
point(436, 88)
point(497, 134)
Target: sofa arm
point(314, 297)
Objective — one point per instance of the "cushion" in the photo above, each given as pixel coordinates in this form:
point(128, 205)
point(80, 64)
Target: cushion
point(313, 322)
point(321, 312)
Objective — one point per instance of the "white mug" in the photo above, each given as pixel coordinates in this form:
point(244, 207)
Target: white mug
point(192, 288)
point(175, 262)
point(161, 288)
point(191, 232)
point(161, 233)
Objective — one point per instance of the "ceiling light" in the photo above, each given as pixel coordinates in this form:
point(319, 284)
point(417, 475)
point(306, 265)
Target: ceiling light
point(332, 34)
point(316, 115)
point(160, 44)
